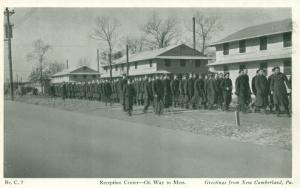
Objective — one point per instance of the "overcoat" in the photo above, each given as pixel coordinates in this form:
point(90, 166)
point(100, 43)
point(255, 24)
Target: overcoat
point(190, 87)
point(226, 88)
point(122, 82)
point(211, 89)
point(253, 85)
point(175, 90)
point(219, 90)
point(128, 95)
point(148, 94)
point(279, 84)
point(261, 86)
point(242, 89)
point(167, 93)
point(198, 91)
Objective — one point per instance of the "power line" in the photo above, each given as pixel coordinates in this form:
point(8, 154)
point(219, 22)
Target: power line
point(27, 15)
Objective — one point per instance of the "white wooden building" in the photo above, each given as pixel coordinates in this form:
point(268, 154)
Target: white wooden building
point(260, 46)
point(77, 74)
point(172, 59)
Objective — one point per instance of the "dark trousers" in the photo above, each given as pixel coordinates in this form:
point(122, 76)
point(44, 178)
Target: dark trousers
point(159, 104)
point(147, 103)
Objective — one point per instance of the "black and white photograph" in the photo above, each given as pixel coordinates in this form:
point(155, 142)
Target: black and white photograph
point(148, 92)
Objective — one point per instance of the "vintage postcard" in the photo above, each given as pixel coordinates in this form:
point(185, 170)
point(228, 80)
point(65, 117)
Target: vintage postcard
point(160, 94)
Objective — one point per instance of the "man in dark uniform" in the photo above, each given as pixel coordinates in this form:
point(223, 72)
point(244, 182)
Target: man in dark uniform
point(64, 91)
point(226, 88)
point(219, 80)
point(143, 83)
point(211, 89)
point(139, 89)
point(148, 93)
point(175, 90)
point(271, 101)
point(254, 91)
point(158, 93)
point(261, 87)
point(167, 91)
point(128, 95)
point(198, 91)
point(113, 91)
point(134, 83)
point(190, 91)
point(122, 83)
point(242, 90)
point(249, 99)
point(85, 90)
point(181, 91)
point(206, 77)
point(102, 90)
point(289, 77)
point(279, 89)
point(107, 92)
point(185, 99)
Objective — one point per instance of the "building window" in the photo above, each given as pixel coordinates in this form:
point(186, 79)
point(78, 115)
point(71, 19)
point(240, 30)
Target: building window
point(122, 67)
point(94, 76)
point(116, 68)
point(197, 63)
point(84, 76)
point(167, 62)
point(182, 62)
point(287, 67)
point(150, 62)
point(225, 68)
point(242, 46)
point(287, 39)
point(263, 41)
point(225, 49)
point(242, 67)
point(135, 65)
point(75, 76)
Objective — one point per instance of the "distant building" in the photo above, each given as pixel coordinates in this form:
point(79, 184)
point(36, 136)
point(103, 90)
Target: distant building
point(260, 46)
point(172, 59)
point(78, 74)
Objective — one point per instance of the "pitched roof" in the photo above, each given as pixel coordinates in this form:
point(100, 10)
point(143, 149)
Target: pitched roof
point(71, 70)
point(151, 54)
point(145, 55)
point(258, 30)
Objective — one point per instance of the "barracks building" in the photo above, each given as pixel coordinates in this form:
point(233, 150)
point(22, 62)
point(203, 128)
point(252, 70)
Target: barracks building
point(78, 74)
point(260, 46)
point(176, 59)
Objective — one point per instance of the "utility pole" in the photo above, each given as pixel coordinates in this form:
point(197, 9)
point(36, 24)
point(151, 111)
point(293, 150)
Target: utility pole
point(17, 81)
point(194, 36)
point(67, 65)
point(9, 36)
point(127, 60)
point(98, 63)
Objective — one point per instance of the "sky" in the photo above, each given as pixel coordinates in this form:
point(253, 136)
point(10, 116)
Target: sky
point(67, 30)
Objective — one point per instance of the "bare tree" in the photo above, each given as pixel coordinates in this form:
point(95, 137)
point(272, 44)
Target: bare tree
point(83, 61)
point(160, 32)
point(206, 26)
point(50, 69)
point(38, 54)
point(55, 67)
point(105, 30)
point(136, 45)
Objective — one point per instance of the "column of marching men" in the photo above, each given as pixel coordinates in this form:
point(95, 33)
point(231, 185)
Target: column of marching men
point(164, 92)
